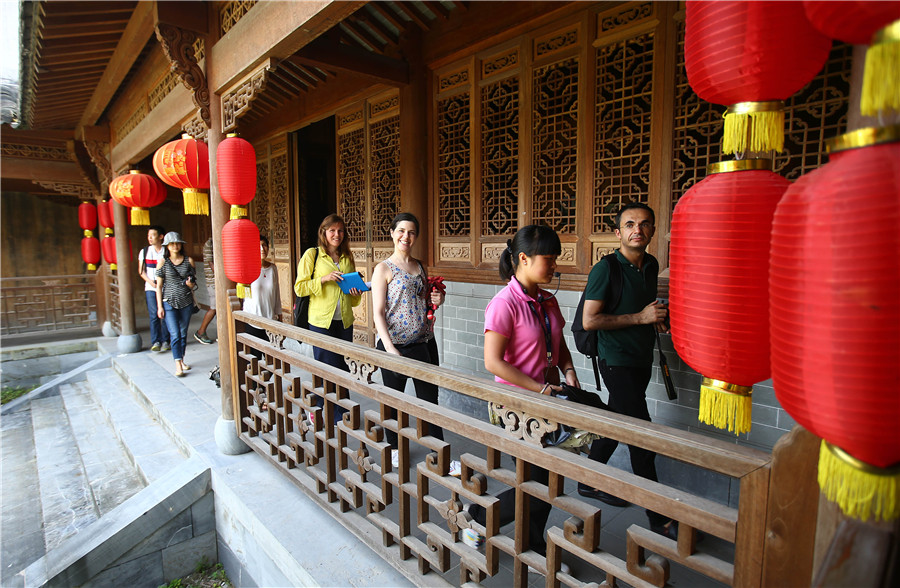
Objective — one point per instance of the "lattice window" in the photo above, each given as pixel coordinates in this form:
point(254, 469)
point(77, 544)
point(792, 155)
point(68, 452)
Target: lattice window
point(623, 111)
point(500, 157)
point(815, 114)
point(454, 178)
point(261, 202)
point(554, 143)
point(385, 150)
point(352, 181)
point(697, 131)
point(232, 12)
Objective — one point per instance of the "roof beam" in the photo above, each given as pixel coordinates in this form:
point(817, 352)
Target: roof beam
point(327, 54)
point(135, 36)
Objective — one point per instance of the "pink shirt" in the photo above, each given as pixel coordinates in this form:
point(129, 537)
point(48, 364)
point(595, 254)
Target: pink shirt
point(512, 313)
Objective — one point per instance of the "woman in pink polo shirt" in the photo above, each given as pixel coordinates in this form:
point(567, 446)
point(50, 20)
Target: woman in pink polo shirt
point(524, 346)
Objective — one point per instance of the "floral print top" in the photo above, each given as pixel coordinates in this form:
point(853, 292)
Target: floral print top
point(407, 305)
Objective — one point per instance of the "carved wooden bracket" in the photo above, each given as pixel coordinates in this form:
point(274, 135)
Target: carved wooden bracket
point(178, 46)
point(359, 370)
point(196, 128)
point(96, 150)
point(236, 102)
point(522, 426)
point(83, 191)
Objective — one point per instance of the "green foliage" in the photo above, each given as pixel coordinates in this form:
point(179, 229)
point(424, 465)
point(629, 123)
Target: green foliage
point(205, 575)
point(14, 392)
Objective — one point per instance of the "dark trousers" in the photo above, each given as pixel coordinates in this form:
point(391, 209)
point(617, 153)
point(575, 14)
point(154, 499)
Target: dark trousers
point(333, 359)
point(158, 331)
point(627, 387)
point(428, 353)
point(538, 511)
point(259, 334)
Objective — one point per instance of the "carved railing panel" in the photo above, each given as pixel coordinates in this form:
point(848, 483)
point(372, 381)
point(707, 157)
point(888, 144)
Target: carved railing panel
point(47, 303)
point(417, 510)
point(115, 312)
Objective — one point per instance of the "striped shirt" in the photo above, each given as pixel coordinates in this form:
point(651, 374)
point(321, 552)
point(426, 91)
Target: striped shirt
point(174, 290)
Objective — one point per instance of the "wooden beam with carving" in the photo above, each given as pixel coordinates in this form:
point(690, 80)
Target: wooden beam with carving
point(137, 32)
point(238, 100)
point(327, 54)
point(178, 45)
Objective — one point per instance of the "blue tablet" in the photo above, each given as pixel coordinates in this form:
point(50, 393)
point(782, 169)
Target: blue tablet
point(353, 280)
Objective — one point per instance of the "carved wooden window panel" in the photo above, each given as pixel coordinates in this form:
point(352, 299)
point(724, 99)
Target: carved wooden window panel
point(232, 12)
point(352, 181)
point(261, 201)
point(500, 157)
point(454, 161)
point(624, 82)
point(385, 153)
point(554, 145)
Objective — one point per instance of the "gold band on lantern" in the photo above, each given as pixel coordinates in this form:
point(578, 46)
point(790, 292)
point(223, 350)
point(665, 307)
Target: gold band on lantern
point(751, 107)
point(860, 464)
point(88, 233)
point(888, 34)
point(237, 212)
point(866, 137)
point(739, 165)
point(723, 386)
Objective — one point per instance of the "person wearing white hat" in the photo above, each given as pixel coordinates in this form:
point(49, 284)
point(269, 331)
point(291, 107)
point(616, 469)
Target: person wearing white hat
point(175, 297)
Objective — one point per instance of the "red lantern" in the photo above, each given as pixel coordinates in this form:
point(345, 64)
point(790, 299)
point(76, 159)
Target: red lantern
point(240, 254)
point(236, 173)
point(751, 56)
point(835, 319)
point(718, 289)
point(140, 192)
point(184, 164)
point(90, 252)
point(87, 218)
point(105, 212)
point(108, 246)
point(851, 21)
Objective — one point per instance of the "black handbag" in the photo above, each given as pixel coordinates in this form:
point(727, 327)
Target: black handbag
point(301, 303)
point(570, 437)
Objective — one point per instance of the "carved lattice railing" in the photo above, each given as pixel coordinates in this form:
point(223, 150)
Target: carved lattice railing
point(414, 513)
point(47, 303)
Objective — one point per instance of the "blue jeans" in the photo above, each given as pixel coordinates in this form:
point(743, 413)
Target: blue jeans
point(158, 331)
point(177, 321)
point(333, 359)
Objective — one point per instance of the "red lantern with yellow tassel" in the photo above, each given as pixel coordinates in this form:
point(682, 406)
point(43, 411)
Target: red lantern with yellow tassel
point(718, 285)
point(105, 214)
point(240, 254)
point(835, 318)
point(139, 192)
point(751, 56)
point(236, 173)
point(87, 218)
point(184, 164)
point(90, 252)
point(108, 247)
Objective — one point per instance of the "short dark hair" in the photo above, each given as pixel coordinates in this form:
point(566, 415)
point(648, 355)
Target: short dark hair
point(405, 216)
point(156, 228)
point(630, 206)
point(531, 240)
point(264, 239)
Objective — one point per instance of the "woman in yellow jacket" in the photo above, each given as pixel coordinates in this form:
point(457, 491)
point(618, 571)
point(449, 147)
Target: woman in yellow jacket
point(318, 274)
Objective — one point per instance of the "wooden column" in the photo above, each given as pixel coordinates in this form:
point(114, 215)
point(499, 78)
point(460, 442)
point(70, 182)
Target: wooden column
point(414, 146)
point(129, 341)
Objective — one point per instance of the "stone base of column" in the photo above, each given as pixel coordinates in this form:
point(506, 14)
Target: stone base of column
point(129, 343)
point(227, 439)
point(108, 330)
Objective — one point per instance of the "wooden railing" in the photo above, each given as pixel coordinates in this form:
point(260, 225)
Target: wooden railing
point(47, 303)
point(416, 510)
point(113, 309)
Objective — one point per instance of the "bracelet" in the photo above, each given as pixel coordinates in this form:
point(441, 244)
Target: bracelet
point(565, 371)
point(544, 388)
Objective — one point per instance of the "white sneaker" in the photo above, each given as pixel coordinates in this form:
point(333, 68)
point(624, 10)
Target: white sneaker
point(395, 459)
point(455, 469)
point(472, 538)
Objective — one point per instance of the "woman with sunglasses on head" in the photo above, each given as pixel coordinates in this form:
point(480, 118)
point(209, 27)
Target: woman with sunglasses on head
point(524, 347)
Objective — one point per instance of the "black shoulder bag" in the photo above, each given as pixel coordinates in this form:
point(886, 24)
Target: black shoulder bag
point(301, 303)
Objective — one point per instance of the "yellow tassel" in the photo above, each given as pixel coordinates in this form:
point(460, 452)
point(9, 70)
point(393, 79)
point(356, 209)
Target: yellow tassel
point(238, 212)
point(859, 489)
point(195, 202)
point(113, 267)
point(243, 290)
point(726, 405)
point(108, 231)
point(881, 76)
point(88, 233)
point(766, 131)
point(92, 267)
point(140, 216)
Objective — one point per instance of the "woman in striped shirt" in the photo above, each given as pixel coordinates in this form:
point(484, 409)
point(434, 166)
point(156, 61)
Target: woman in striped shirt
point(175, 297)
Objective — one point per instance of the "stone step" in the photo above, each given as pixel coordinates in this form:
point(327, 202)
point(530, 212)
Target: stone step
point(111, 474)
point(67, 501)
point(149, 446)
point(21, 522)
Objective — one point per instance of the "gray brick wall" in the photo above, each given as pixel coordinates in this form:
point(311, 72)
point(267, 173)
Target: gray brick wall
point(460, 335)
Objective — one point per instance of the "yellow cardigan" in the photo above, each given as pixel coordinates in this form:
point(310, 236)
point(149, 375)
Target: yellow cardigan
point(323, 298)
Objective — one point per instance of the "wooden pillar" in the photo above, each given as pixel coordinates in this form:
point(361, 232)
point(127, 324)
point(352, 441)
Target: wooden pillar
point(129, 340)
point(414, 146)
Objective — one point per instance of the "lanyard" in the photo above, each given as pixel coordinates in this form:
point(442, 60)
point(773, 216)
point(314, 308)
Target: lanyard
point(545, 327)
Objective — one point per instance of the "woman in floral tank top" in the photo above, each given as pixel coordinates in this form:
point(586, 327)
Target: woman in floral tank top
point(400, 296)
